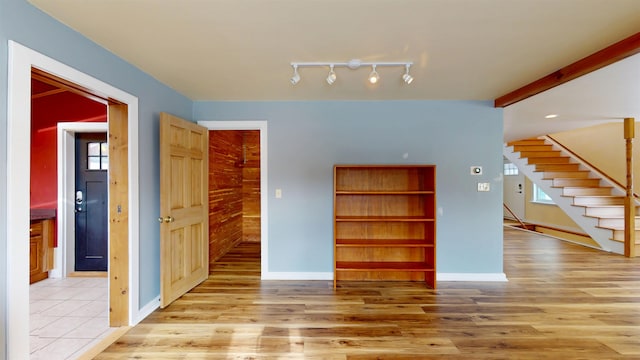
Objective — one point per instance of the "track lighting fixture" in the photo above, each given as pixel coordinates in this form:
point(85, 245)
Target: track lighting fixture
point(373, 76)
point(331, 78)
point(406, 77)
point(353, 64)
point(296, 77)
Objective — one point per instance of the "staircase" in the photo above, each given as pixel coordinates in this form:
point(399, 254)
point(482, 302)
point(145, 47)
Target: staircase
point(585, 196)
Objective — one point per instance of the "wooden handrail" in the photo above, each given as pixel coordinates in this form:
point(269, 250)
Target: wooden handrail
point(605, 175)
point(515, 216)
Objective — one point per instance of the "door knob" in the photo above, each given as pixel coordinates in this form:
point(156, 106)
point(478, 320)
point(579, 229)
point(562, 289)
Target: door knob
point(167, 219)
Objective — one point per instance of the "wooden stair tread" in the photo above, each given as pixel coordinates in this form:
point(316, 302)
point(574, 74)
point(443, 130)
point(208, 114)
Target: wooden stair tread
point(533, 148)
point(579, 171)
point(554, 163)
point(610, 217)
point(574, 181)
point(532, 141)
point(583, 187)
point(590, 187)
point(600, 196)
point(637, 227)
point(605, 206)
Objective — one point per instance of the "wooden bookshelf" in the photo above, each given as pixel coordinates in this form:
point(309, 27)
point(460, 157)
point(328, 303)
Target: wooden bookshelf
point(384, 223)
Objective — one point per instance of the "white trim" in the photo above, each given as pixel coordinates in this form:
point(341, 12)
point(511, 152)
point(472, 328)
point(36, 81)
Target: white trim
point(146, 310)
point(64, 254)
point(264, 189)
point(20, 61)
point(475, 277)
point(297, 276)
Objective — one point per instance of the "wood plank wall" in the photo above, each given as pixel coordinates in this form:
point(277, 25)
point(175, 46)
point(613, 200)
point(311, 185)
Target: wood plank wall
point(225, 192)
point(251, 187)
point(234, 190)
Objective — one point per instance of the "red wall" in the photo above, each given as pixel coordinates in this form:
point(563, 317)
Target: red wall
point(46, 112)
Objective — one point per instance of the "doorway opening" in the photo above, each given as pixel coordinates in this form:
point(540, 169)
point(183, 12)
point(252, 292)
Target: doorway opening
point(67, 132)
point(234, 190)
point(253, 135)
point(123, 127)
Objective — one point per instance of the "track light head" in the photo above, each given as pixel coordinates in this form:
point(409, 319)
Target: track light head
point(408, 79)
point(296, 77)
point(331, 78)
point(353, 64)
point(373, 75)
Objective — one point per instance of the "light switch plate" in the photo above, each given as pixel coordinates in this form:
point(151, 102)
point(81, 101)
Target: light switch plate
point(484, 186)
point(278, 193)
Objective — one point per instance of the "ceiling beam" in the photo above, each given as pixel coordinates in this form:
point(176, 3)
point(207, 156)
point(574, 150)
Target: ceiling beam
point(618, 51)
point(47, 93)
point(66, 85)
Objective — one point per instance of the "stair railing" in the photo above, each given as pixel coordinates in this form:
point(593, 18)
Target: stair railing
point(515, 216)
point(591, 167)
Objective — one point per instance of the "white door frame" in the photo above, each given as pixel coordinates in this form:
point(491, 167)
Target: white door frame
point(513, 196)
point(64, 254)
point(260, 125)
point(21, 60)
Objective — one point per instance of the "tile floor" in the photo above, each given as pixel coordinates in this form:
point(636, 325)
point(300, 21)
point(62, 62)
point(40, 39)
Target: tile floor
point(67, 317)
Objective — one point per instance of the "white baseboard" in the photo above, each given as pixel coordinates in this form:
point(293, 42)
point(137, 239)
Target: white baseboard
point(55, 273)
point(297, 276)
point(497, 277)
point(146, 310)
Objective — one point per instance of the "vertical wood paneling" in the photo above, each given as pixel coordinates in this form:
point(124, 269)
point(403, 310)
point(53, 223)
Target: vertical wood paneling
point(225, 192)
point(234, 190)
point(251, 187)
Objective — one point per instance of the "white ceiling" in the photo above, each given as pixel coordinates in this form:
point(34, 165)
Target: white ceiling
point(609, 94)
point(461, 49)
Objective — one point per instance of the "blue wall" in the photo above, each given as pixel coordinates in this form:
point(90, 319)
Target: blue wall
point(305, 140)
point(21, 22)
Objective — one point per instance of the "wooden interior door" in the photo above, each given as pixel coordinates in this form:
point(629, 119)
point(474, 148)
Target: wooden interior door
point(184, 228)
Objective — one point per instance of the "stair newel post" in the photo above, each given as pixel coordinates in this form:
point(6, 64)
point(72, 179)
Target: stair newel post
point(629, 201)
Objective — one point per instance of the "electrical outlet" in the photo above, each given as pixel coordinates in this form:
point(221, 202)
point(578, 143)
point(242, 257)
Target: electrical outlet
point(484, 186)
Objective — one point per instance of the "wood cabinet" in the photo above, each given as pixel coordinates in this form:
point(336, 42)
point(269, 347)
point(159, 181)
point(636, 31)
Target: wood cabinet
point(385, 223)
point(40, 249)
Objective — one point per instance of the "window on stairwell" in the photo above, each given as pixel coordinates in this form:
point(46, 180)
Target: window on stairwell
point(540, 196)
point(510, 169)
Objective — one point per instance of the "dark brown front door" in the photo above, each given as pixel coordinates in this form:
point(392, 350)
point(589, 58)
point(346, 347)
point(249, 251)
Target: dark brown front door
point(91, 202)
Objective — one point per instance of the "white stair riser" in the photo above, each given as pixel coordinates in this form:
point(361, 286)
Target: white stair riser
point(585, 191)
point(531, 154)
point(615, 223)
point(533, 168)
point(618, 235)
point(566, 174)
point(549, 160)
point(608, 211)
point(576, 182)
point(557, 167)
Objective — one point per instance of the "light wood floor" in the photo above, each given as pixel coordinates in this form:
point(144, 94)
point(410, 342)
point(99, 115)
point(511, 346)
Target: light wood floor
point(562, 301)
